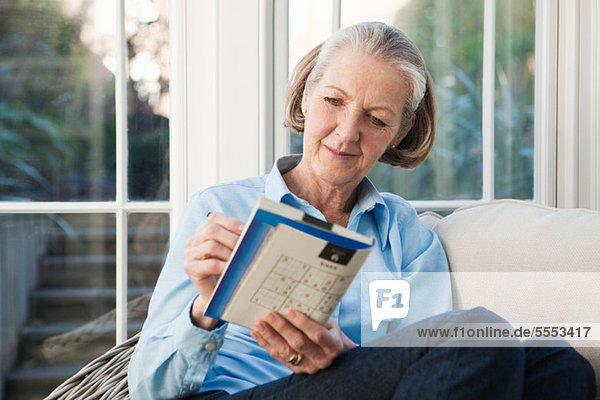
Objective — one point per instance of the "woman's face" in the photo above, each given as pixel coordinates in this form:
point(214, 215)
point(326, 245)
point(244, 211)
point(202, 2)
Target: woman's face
point(353, 114)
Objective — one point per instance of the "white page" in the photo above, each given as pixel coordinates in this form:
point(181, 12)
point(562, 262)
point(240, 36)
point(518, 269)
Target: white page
point(288, 273)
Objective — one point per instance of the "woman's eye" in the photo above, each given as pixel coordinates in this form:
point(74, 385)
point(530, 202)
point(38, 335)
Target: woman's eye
point(377, 122)
point(333, 101)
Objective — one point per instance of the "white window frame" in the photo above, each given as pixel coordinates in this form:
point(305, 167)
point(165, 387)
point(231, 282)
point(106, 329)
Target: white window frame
point(567, 106)
point(228, 74)
point(121, 207)
point(589, 106)
point(235, 94)
point(567, 97)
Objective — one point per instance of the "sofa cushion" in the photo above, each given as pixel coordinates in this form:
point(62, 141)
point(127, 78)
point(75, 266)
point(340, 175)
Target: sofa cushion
point(500, 253)
point(513, 235)
point(429, 218)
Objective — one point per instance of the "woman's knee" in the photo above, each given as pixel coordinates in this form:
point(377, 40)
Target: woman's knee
point(587, 375)
point(482, 315)
point(509, 358)
point(561, 369)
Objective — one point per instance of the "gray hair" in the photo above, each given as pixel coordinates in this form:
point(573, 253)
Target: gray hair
point(389, 44)
point(381, 41)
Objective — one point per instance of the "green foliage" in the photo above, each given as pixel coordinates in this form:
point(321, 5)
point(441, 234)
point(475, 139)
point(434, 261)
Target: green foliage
point(149, 160)
point(25, 135)
point(57, 113)
point(514, 99)
point(450, 36)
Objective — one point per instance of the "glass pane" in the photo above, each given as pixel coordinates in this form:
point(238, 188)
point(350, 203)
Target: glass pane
point(515, 42)
point(57, 100)
point(310, 23)
point(450, 36)
point(57, 297)
point(148, 95)
point(147, 249)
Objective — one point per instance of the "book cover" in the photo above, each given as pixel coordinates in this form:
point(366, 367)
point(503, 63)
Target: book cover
point(287, 259)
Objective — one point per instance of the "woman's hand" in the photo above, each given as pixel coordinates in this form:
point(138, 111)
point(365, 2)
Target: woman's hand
point(317, 344)
point(206, 255)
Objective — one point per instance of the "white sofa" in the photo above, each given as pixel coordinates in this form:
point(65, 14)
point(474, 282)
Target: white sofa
point(527, 263)
point(505, 255)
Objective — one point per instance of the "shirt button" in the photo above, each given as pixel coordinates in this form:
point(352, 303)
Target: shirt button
point(209, 346)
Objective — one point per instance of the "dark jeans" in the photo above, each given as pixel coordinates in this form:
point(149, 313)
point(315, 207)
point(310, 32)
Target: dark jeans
point(438, 373)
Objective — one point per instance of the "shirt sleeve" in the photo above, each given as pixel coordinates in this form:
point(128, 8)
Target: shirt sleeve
point(173, 356)
point(425, 267)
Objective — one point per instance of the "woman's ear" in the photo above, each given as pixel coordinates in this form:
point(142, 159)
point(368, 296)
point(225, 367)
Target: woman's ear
point(303, 104)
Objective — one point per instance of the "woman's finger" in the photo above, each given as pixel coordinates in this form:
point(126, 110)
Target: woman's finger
point(211, 231)
point(272, 349)
point(231, 224)
point(276, 343)
point(294, 338)
point(316, 332)
point(208, 249)
point(220, 227)
point(202, 269)
point(306, 366)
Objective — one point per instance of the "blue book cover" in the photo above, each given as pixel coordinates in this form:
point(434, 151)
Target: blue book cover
point(297, 261)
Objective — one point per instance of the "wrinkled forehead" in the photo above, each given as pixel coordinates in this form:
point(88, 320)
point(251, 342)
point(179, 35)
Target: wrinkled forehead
point(337, 59)
point(360, 76)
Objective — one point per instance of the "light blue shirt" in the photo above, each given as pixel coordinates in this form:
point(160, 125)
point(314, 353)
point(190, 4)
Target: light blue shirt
point(175, 358)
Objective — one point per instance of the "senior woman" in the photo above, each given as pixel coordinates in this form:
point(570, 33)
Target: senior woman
point(364, 96)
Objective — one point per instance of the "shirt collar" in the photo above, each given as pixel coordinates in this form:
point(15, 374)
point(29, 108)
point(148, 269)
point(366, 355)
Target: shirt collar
point(369, 199)
point(275, 187)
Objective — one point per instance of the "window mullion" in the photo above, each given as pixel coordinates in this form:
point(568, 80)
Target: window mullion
point(336, 15)
point(568, 105)
point(121, 173)
point(488, 88)
point(546, 66)
point(178, 115)
point(589, 105)
point(265, 84)
point(280, 75)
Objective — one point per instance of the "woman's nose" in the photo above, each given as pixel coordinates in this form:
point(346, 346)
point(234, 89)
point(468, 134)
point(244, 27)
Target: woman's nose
point(348, 126)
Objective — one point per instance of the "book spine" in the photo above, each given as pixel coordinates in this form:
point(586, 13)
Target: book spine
point(253, 239)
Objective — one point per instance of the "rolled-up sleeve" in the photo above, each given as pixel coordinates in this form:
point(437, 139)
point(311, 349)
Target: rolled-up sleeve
point(173, 362)
point(173, 356)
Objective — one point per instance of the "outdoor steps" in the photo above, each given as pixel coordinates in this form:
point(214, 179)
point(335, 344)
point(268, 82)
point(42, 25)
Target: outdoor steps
point(54, 343)
point(95, 270)
point(72, 309)
point(100, 240)
point(75, 304)
point(35, 383)
point(36, 376)
point(50, 353)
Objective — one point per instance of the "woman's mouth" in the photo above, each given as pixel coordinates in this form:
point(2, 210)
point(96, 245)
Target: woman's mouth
point(338, 153)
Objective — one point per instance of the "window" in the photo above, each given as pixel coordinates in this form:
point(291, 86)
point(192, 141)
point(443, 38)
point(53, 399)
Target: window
point(481, 56)
point(92, 178)
point(84, 176)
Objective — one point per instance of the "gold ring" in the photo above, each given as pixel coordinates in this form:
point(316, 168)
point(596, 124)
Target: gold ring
point(295, 359)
